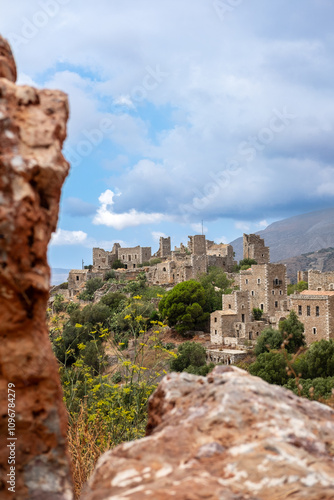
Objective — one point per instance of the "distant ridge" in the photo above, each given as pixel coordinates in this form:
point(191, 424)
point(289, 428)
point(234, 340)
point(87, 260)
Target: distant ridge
point(296, 235)
point(321, 260)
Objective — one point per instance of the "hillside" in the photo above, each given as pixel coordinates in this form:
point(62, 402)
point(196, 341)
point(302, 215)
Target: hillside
point(322, 260)
point(297, 235)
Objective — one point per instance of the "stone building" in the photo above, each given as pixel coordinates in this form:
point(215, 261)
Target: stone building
point(102, 259)
point(76, 279)
point(234, 324)
point(131, 257)
point(302, 276)
point(164, 248)
point(220, 255)
point(320, 281)
point(267, 287)
point(176, 270)
point(315, 309)
point(185, 263)
point(197, 244)
point(254, 248)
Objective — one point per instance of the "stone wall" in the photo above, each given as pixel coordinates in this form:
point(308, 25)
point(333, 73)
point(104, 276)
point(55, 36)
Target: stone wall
point(164, 247)
point(103, 259)
point(267, 287)
point(254, 248)
point(316, 311)
point(197, 244)
point(131, 257)
point(320, 281)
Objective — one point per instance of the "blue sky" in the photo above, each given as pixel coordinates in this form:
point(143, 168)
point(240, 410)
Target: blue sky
point(182, 111)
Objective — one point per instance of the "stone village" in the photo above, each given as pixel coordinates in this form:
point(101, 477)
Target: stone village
point(262, 286)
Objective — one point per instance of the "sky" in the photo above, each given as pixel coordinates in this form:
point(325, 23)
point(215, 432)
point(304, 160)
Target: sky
point(183, 114)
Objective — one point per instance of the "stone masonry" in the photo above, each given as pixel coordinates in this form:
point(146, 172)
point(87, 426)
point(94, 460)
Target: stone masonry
point(254, 248)
point(315, 309)
point(320, 281)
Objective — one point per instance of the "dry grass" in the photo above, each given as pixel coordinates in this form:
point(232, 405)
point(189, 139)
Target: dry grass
point(86, 441)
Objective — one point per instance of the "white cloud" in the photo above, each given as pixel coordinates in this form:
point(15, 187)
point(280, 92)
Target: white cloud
point(222, 239)
point(243, 226)
point(263, 224)
point(124, 100)
point(198, 228)
point(64, 237)
point(105, 215)
point(156, 235)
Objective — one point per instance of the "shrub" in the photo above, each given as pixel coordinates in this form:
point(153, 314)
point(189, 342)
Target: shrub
point(90, 288)
point(110, 275)
point(188, 354)
point(117, 264)
point(59, 304)
point(71, 307)
point(271, 367)
point(257, 313)
point(113, 300)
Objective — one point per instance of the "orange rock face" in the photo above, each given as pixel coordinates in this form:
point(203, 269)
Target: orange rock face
point(32, 171)
point(7, 63)
point(229, 436)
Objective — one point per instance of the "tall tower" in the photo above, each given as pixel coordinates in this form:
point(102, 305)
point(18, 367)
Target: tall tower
point(254, 248)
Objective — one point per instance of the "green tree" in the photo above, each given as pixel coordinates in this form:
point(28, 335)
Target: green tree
point(292, 331)
point(113, 300)
point(271, 367)
point(91, 315)
point(244, 264)
point(299, 287)
point(312, 388)
point(269, 339)
point(182, 307)
point(188, 354)
point(90, 288)
point(257, 313)
point(117, 264)
point(215, 283)
point(318, 361)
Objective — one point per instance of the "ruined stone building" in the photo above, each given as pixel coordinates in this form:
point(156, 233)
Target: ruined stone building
point(234, 324)
point(254, 248)
point(164, 248)
point(185, 263)
point(320, 281)
point(102, 259)
point(130, 257)
point(262, 286)
point(315, 309)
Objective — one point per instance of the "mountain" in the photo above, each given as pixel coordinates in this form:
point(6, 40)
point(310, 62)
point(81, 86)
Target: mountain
point(58, 275)
point(322, 260)
point(297, 235)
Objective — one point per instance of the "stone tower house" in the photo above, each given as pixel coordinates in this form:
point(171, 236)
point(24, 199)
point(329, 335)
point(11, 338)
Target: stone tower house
point(254, 248)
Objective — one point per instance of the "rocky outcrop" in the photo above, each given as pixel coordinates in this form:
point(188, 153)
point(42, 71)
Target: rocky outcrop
point(32, 171)
point(230, 436)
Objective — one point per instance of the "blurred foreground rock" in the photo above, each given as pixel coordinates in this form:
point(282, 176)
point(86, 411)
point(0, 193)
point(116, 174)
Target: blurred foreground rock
point(32, 171)
point(228, 437)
